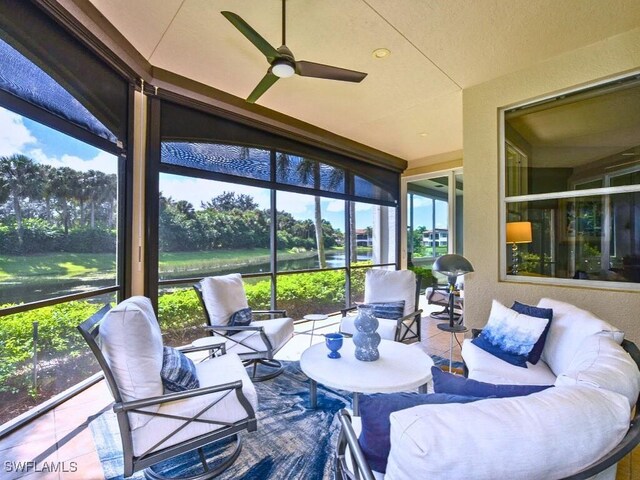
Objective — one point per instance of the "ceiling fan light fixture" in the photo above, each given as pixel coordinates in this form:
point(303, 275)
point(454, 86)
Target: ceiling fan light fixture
point(283, 68)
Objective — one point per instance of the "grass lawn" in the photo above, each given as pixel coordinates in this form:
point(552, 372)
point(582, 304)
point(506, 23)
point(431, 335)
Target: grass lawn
point(66, 265)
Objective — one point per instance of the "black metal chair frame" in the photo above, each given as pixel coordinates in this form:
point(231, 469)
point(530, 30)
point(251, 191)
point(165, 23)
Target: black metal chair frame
point(352, 465)
point(443, 314)
point(407, 327)
point(254, 357)
point(90, 330)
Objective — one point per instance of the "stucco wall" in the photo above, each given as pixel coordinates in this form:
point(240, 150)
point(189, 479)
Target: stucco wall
point(602, 60)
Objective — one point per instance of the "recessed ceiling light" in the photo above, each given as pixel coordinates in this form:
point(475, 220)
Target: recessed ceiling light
point(381, 53)
point(423, 134)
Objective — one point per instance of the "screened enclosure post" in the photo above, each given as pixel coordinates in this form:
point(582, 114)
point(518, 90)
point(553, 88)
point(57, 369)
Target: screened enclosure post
point(274, 243)
point(347, 254)
point(35, 357)
point(152, 195)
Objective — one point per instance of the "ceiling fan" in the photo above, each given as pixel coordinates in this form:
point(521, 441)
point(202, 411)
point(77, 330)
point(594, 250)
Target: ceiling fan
point(282, 62)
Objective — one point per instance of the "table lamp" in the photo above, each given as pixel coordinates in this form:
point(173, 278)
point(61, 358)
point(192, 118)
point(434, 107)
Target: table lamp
point(452, 265)
point(517, 232)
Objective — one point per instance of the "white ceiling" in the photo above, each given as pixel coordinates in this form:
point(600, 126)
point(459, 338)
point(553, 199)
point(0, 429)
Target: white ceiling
point(410, 104)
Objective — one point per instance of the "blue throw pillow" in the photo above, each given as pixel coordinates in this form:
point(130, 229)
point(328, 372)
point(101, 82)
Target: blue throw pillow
point(537, 312)
point(241, 318)
point(444, 382)
point(390, 310)
point(375, 438)
point(510, 335)
point(178, 372)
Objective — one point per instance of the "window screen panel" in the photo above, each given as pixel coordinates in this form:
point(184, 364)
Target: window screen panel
point(219, 158)
point(305, 172)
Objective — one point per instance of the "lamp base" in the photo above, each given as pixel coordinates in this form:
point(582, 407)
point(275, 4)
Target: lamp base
point(445, 327)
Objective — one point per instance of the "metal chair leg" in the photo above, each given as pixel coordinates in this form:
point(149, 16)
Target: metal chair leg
point(207, 473)
point(272, 364)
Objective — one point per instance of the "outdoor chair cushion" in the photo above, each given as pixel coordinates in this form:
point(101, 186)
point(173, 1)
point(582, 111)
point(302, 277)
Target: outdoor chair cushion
point(214, 371)
point(536, 437)
point(277, 330)
point(570, 326)
point(602, 363)
point(391, 286)
point(130, 330)
point(485, 367)
point(223, 296)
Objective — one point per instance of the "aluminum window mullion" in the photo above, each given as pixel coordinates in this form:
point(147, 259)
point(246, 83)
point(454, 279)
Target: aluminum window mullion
point(573, 194)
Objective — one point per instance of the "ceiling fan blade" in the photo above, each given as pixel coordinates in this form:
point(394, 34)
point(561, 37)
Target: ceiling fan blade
point(311, 69)
point(267, 81)
point(253, 36)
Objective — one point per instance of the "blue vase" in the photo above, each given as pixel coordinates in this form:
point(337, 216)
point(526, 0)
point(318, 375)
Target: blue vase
point(334, 343)
point(366, 339)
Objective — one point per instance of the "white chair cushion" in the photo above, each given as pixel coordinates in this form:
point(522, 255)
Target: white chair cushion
point(536, 437)
point(277, 330)
point(486, 367)
point(132, 345)
point(215, 371)
point(602, 363)
point(391, 286)
point(223, 296)
point(386, 327)
point(569, 327)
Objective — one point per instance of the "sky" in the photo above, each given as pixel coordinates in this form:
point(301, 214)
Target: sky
point(47, 146)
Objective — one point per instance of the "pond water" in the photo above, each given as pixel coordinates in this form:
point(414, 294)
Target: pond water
point(32, 292)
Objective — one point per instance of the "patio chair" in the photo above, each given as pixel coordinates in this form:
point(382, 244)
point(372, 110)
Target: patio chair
point(156, 426)
point(439, 295)
point(384, 286)
point(255, 342)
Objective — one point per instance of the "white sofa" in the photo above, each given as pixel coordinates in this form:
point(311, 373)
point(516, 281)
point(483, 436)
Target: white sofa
point(552, 434)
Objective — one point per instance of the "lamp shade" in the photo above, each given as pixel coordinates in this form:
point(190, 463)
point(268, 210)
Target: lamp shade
point(519, 232)
point(452, 265)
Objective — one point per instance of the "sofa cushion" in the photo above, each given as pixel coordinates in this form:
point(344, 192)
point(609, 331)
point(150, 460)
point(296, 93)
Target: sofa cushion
point(510, 335)
point(223, 296)
point(570, 326)
point(537, 437)
point(536, 351)
point(132, 345)
point(487, 368)
point(374, 413)
point(390, 286)
point(602, 363)
point(215, 371)
point(444, 382)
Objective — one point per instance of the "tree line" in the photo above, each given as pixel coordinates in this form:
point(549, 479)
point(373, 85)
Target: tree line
point(234, 221)
point(45, 208)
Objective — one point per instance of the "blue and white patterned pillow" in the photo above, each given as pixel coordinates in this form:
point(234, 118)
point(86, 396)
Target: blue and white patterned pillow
point(241, 318)
point(178, 372)
point(390, 310)
point(509, 335)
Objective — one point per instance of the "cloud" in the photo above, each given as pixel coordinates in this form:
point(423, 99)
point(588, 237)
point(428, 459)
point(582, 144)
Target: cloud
point(335, 206)
point(14, 135)
point(103, 161)
point(197, 190)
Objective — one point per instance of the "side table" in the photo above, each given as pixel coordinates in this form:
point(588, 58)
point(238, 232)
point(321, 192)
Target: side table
point(314, 318)
point(445, 327)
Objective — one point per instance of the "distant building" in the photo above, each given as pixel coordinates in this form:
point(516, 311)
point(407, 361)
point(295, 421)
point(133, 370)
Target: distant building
point(363, 239)
point(441, 237)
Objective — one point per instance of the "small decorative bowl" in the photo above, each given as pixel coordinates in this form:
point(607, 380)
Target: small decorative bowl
point(334, 343)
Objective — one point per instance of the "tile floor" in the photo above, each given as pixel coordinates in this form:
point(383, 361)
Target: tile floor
point(62, 438)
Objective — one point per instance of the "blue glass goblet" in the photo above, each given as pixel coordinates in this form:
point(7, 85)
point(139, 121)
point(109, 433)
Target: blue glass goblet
point(334, 343)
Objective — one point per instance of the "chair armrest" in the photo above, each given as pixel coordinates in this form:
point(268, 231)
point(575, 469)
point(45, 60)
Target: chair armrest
point(348, 438)
point(191, 349)
point(172, 397)
point(281, 313)
point(344, 311)
point(234, 328)
point(410, 315)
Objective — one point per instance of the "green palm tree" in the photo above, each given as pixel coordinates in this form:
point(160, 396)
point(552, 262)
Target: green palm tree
point(20, 178)
point(63, 183)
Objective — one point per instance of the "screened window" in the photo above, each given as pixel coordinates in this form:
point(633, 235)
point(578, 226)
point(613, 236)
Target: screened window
point(572, 180)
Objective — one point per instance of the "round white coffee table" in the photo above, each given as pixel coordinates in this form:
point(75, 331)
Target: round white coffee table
point(400, 368)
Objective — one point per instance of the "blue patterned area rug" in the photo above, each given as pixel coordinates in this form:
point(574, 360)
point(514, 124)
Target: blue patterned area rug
point(293, 442)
